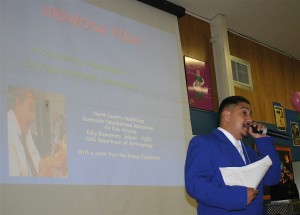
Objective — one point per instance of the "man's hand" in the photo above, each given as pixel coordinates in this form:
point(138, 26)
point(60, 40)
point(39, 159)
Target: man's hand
point(251, 194)
point(259, 127)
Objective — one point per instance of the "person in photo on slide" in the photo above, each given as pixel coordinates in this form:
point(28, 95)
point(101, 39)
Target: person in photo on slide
point(223, 148)
point(24, 157)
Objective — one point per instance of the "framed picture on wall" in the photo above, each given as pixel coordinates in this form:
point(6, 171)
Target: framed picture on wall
point(280, 117)
point(287, 175)
point(295, 133)
point(198, 84)
point(285, 155)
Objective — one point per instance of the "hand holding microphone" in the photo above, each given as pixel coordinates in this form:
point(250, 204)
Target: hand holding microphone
point(256, 129)
point(264, 130)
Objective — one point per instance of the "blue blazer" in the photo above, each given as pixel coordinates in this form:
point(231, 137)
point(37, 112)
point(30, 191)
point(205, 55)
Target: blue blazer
point(204, 182)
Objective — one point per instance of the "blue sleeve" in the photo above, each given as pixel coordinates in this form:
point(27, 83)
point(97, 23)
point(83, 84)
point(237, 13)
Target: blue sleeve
point(203, 179)
point(266, 147)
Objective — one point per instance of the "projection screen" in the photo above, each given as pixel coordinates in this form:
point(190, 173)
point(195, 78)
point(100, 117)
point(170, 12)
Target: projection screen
point(94, 114)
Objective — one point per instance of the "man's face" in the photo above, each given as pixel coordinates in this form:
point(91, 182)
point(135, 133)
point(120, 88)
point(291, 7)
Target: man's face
point(240, 120)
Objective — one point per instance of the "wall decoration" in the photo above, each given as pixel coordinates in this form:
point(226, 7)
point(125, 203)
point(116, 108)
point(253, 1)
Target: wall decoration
point(285, 155)
point(198, 84)
point(292, 116)
point(295, 133)
point(279, 116)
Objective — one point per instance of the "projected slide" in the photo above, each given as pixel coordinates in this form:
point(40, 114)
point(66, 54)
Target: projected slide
point(88, 97)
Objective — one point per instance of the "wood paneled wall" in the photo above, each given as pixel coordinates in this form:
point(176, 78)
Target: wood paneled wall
point(195, 42)
point(275, 76)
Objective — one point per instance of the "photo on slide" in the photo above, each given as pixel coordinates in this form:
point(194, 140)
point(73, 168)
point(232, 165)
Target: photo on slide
point(37, 145)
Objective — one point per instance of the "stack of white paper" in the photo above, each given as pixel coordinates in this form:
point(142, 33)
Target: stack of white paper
point(248, 176)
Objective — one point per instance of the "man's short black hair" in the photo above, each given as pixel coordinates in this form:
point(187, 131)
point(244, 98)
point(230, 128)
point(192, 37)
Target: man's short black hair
point(231, 100)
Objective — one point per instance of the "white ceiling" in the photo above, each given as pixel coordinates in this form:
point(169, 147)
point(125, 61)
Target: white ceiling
point(274, 23)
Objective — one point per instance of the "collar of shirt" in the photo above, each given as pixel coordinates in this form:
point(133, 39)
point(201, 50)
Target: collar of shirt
point(229, 136)
point(236, 143)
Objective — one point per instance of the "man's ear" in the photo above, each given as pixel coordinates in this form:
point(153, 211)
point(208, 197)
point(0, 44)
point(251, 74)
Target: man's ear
point(226, 115)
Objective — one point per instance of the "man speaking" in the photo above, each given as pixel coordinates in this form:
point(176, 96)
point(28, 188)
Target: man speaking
point(224, 148)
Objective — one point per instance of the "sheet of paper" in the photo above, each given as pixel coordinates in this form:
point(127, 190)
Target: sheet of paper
point(248, 176)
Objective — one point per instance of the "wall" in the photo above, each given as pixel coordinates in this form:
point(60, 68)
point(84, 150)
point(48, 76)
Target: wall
point(195, 43)
point(275, 76)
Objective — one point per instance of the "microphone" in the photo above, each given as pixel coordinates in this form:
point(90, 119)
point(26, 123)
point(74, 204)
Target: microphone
point(272, 133)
